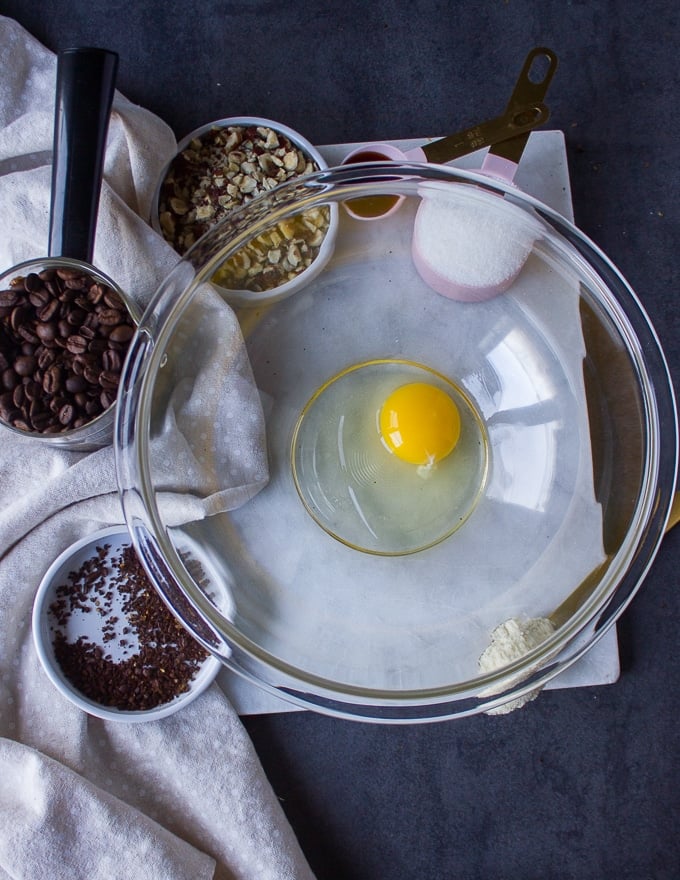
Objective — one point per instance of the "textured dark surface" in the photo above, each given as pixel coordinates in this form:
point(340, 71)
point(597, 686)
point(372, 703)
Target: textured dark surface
point(582, 783)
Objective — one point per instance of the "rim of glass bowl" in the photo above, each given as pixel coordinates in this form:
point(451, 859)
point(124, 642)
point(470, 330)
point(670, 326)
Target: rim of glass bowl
point(99, 431)
point(606, 601)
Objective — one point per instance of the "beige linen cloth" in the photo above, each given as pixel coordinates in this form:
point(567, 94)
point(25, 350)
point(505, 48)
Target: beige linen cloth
point(184, 797)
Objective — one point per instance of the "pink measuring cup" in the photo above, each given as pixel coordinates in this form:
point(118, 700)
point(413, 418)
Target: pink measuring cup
point(496, 236)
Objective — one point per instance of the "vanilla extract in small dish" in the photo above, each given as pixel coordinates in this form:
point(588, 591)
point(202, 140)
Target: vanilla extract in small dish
point(390, 457)
point(370, 207)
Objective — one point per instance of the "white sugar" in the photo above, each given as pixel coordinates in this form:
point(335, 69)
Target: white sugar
point(470, 244)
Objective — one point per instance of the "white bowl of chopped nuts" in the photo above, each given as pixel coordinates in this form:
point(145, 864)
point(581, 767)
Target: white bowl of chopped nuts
point(223, 166)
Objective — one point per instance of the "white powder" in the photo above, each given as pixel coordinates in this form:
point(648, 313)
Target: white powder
point(510, 641)
point(470, 243)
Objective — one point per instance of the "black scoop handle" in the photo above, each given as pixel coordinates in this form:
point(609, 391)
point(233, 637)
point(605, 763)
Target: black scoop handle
point(86, 81)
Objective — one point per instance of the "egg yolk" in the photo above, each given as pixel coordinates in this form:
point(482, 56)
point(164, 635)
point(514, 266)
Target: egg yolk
point(419, 423)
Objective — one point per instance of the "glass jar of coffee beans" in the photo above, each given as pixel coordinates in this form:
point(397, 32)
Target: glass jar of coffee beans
point(64, 333)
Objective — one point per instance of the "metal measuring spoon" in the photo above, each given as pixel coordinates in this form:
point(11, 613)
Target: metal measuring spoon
point(468, 244)
point(63, 323)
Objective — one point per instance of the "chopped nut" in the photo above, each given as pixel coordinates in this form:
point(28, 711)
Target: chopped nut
point(270, 267)
point(222, 170)
point(287, 228)
point(179, 206)
point(293, 255)
point(248, 185)
point(167, 224)
point(290, 161)
point(271, 138)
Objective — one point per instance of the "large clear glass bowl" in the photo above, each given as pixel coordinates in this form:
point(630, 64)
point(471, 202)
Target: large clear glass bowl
point(576, 414)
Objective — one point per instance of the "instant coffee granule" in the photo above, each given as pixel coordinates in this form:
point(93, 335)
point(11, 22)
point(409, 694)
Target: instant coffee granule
point(156, 657)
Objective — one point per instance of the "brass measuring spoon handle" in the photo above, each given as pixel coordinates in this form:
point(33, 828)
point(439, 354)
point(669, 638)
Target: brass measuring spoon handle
point(515, 121)
point(528, 89)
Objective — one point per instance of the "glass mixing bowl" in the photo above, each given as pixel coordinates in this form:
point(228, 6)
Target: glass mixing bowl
point(336, 585)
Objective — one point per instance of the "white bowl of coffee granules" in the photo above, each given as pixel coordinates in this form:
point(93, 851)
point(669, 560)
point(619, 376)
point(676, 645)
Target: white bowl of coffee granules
point(106, 639)
point(223, 166)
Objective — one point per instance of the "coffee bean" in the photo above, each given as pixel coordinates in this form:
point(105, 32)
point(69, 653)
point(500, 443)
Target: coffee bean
point(113, 300)
point(122, 333)
point(106, 398)
point(65, 272)
point(24, 365)
point(10, 380)
point(110, 317)
point(39, 298)
point(66, 295)
point(49, 310)
point(75, 283)
point(19, 396)
point(33, 390)
point(76, 344)
point(40, 421)
point(92, 322)
point(112, 361)
point(46, 331)
point(66, 414)
point(20, 315)
point(8, 412)
point(76, 317)
point(52, 380)
point(91, 374)
point(96, 293)
point(46, 357)
point(109, 380)
point(58, 367)
point(74, 384)
point(58, 403)
point(28, 335)
point(97, 346)
point(33, 283)
point(8, 298)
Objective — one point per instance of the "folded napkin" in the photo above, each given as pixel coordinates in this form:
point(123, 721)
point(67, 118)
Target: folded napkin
point(184, 797)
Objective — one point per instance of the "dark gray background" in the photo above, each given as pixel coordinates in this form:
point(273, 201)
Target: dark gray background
point(582, 783)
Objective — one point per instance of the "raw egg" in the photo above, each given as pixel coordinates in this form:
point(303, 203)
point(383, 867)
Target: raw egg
point(419, 423)
point(389, 457)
